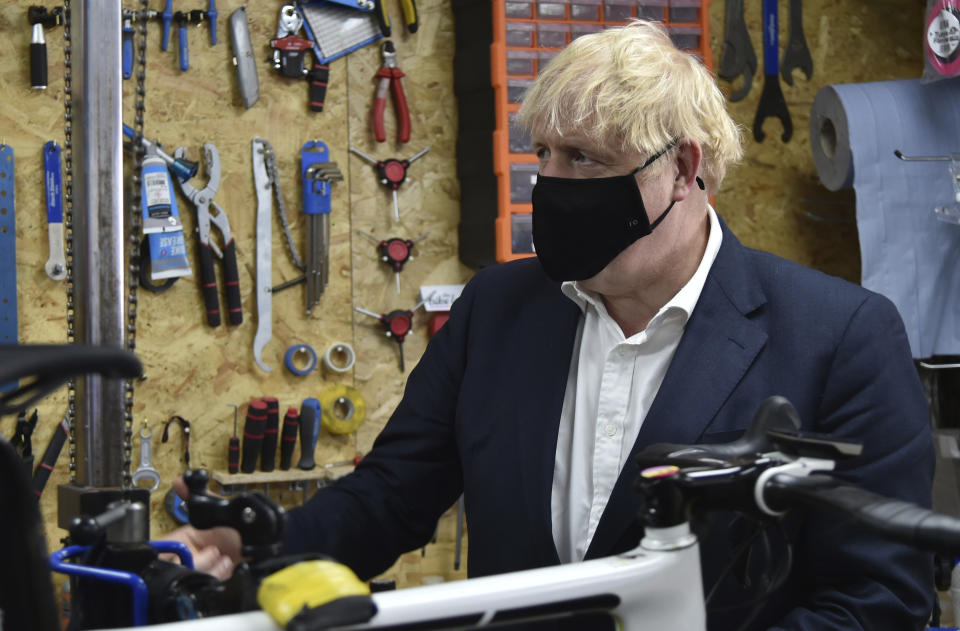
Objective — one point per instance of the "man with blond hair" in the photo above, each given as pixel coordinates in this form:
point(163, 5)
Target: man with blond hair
point(642, 320)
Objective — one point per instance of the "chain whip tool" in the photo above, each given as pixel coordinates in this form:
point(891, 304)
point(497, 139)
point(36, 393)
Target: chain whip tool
point(134, 220)
point(262, 182)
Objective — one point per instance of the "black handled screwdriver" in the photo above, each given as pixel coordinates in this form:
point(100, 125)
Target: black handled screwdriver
point(268, 452)
point(233, 450)
point(288, 437)
point(253, 429)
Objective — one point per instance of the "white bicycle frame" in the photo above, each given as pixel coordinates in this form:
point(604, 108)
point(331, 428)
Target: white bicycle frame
point(654, 586)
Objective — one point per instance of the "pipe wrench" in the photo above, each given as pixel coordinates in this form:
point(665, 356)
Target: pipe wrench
point(56, 265)
point(203, 201)
point(264, 292)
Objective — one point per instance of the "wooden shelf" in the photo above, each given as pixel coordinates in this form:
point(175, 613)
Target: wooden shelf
point(225, 478)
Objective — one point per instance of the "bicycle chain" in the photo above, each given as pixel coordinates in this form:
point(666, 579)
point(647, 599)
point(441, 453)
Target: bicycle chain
point(133, 255)
point(270, 161)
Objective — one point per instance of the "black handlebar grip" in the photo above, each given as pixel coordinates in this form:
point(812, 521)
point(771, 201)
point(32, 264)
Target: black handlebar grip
point(268, 452)
point(318, 77)
point(288, 437)
point(253, 428)
point(232, 280)
point(38, 66)
point(208, 284)
point(309, 430)
point(49, 461)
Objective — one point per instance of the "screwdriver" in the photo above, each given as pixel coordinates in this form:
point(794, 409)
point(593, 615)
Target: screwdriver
point(309, 430)
point(268, 453)
point(253, 429)
point(233, 451)
point(288, 439)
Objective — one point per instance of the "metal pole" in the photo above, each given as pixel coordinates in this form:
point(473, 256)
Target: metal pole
point(98, 231)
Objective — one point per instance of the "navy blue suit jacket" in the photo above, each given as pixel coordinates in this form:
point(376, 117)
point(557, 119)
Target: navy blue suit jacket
point(481, 410)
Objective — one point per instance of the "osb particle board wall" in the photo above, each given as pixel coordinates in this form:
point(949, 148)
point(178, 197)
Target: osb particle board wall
point(772, 201)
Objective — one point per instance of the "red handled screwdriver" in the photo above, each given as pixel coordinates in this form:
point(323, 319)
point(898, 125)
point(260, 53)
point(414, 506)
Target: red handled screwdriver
point(233, 451)
point(288, 438)
point(268, 452)
point(253, 429)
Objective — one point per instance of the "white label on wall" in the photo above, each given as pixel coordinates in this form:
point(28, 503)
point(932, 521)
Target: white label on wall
point(439, 297)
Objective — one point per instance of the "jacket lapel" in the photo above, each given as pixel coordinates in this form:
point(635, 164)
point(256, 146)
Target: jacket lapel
point(718, 346)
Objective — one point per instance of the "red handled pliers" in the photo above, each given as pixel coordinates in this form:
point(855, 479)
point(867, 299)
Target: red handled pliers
point(389, 76)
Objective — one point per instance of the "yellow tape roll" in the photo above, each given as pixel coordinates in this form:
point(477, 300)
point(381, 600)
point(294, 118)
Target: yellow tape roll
point(343, 409)
point(307, 585)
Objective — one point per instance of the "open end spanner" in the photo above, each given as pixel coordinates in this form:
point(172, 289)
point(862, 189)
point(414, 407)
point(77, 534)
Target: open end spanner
point(772, 102)
point(796, 54)
point(146, 471)
point(738, 57)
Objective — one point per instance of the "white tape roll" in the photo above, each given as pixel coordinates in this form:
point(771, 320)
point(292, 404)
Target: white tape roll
point(339, 357)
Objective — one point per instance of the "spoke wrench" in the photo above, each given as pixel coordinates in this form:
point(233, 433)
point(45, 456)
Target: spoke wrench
point(738, 57)
point(146, 471)
point(796, 54)
point(772, 102)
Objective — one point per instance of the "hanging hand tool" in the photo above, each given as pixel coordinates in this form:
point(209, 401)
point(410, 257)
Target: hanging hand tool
point(243, 57)
point(253, 427)
point(390, 79)
point(738, 57)
point(182, 168)
point(268, 452)
point(233, 448)
point(318, 174)
point(8, 255)
point(309, 432)
point(395, 252)
point(203, 200)
point(796, 54)
point(185, 426)
point(772, 102)
point(396, 324)
point(22, 439)
point(392, 173)
point(39, 18)
point(167, 17)
point(146, 471)
point(264, 294)
point(127, 32)
point(411, 18)
point(288, 437)
point(56, 265)
point(42, 473)
point(212, 19)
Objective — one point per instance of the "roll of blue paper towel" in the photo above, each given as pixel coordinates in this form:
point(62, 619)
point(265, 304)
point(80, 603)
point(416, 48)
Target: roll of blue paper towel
point(908, 251)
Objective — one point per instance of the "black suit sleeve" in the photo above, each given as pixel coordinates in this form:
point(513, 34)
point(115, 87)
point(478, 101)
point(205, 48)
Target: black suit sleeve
point(872, 394)
point(391, 503)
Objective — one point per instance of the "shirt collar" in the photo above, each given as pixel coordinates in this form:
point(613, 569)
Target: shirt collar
point(685, 300)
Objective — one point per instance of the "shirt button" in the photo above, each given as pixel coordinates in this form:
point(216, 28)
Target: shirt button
point(610, 429)
point(622, 350)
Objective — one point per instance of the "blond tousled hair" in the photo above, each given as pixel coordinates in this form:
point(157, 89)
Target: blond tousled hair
point(631, 85)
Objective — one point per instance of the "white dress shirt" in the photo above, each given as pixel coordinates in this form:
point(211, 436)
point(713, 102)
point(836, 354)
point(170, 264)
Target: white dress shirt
point(610, 388)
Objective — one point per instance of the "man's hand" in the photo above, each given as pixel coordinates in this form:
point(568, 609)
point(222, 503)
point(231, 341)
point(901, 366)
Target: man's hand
point(215, 550)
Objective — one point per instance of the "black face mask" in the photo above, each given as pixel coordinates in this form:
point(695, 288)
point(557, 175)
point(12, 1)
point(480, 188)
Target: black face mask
point(580, 225)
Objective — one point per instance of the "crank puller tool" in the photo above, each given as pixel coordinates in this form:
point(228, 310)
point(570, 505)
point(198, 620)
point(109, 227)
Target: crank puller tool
point(392, 173)
point(395, 251)
point(738, 57)
point(318, 174)
point(796, 54)
point(288, 437)
point(268, 452)
point(253, 428)
point(396, 325)
point(264, 293)
point(243, 57)
point(309, 432)
point(8, 256)
point(233, 448)
point(772, 103)
point(56, 265)
point(42, 473)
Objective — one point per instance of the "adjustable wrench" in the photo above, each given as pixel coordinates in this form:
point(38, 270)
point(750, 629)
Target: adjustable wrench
point(772, 102)
point(796, 54)
point(738, 57)
point(146, 471)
